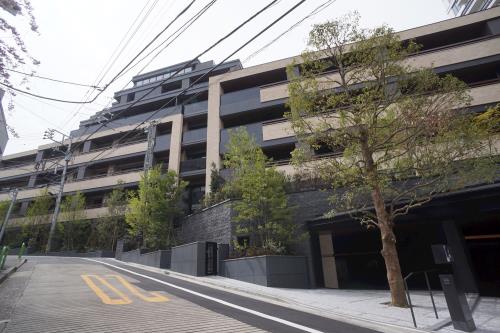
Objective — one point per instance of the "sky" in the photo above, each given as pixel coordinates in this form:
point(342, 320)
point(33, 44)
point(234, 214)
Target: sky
point(77, 40)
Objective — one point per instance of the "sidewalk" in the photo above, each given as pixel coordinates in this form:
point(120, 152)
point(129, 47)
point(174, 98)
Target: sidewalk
point(368, 305)
point(11, 265)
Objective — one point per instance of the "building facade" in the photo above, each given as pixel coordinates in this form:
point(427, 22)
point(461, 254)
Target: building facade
point(189, 134)
point(466, 7)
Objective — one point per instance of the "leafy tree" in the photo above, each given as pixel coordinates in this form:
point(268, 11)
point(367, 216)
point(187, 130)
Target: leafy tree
point(13, 51)
point(153, 208)
point(4, 207)
point(217, 193)
point(113, 227)
point(263, 208)
point(400, 133)
point(73, 226)
point(38, 219)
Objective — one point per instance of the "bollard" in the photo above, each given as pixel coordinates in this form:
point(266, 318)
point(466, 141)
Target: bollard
point(3, 256)
point(21, 251)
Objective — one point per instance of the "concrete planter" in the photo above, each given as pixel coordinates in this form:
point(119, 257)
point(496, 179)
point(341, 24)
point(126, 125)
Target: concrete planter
point(160, 258)
point(189, 258)
point(270, 271)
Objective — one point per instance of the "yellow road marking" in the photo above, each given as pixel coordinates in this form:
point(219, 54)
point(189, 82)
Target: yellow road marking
point(156, 298)
point(101, 294)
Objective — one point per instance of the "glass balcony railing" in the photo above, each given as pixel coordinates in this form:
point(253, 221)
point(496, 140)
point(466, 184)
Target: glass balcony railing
point(193, 165)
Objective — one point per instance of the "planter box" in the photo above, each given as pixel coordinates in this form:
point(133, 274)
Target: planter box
point(189, 258)
point(270, 271)
point(160, 258)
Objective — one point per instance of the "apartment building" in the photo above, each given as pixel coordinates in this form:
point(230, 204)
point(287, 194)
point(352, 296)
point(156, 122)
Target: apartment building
point(466, 7)
point(172, 131)
point(188, 134)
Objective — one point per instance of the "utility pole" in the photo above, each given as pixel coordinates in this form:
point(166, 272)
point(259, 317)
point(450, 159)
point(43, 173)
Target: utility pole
point(13, 193)
point(67, 157)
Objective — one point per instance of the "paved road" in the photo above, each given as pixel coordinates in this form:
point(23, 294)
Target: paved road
point(51, 294)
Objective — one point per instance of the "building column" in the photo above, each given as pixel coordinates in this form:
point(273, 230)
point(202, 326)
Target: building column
point(149, 156)
point(328, 260)
point(462, 267)
point(214, 126)
point(111, 169)
point(39, 163)
point(81, 173)
point(24, 208)
point(86, 146)
point(174, 159)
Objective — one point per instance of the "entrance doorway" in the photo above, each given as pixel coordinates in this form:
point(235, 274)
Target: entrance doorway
point(483, 241)
point(211, 258)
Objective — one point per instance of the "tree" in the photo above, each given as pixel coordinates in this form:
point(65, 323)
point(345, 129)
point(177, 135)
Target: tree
point(217, 193)
point(398, 134)
point(113, 227)
point(153, 208)
point(38, 218)
point(15, 53)
point(4, 207)
point(262, 209)
point(73, 223)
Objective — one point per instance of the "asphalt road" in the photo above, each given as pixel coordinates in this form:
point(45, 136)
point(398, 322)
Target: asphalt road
point(52, 294)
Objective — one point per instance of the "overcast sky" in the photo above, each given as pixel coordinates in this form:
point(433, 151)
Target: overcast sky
point(77, 39)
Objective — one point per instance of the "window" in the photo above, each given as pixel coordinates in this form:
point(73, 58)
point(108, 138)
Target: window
point(130, 97)
point(171, 86)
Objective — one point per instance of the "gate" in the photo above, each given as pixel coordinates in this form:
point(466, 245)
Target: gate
point(211, 258)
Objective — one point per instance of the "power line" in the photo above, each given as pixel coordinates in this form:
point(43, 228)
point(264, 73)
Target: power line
point(114, 78)
point(111, 60)
point(189, 63)
point(51, 79)
point(187, 24)
point(182, 29)
point(201, 77)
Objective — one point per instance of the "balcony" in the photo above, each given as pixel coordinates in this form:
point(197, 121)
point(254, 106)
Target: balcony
point(96, 182)
point(194, 166)
point(105, 153)
point(244, 100)
point(444, 56)
point(195, 109)
point(17, 170)
point(194, 136)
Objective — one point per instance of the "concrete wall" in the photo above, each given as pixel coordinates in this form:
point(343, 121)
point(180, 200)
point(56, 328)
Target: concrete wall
point(189, 259)
point(211, 225)
point(270, 271)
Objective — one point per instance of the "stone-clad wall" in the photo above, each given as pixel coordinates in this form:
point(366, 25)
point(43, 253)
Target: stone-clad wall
point(210, 225)
point(214, 224)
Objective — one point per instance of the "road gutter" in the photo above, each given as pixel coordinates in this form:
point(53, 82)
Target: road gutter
point(9, 271)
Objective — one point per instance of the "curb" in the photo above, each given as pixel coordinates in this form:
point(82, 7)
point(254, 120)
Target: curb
point(358, 321)
point(11, 270)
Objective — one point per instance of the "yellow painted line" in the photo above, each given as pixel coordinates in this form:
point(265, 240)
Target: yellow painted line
point(156, 298)
point(101, 294)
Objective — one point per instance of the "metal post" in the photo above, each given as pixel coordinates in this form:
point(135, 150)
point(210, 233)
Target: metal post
point(67, 158)
point(7, 216)
point(430, 293)
point(409, 302)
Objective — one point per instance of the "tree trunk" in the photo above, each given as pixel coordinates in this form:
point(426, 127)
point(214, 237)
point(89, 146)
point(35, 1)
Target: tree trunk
point(389, 252)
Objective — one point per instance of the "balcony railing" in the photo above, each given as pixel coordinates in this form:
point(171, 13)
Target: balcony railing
point(195, 108)
point(194, 164)
point(196, 135)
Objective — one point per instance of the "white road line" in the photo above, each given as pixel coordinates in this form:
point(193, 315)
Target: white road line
point(231, 305)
